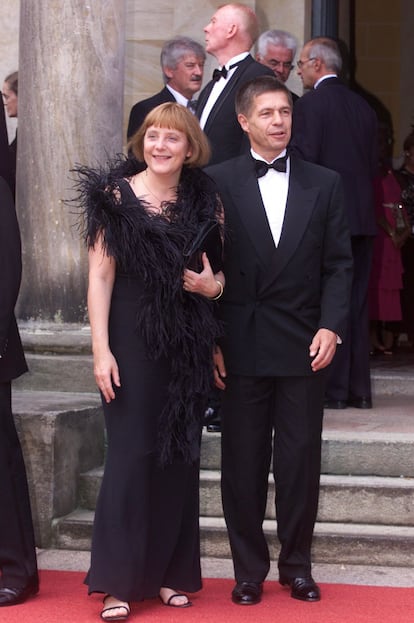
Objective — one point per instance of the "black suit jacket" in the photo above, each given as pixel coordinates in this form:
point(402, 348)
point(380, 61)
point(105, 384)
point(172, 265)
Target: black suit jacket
point(335, 127)
point(276, 298)
point(6, 157)
point(12, 361)
point(226, 137)
point(140, 110)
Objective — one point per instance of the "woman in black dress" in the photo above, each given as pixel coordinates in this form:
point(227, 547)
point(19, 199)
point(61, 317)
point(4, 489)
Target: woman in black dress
point(153, 332)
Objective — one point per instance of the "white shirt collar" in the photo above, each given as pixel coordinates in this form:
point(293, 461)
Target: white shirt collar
point(178, 97)
point(236, 59)
point(317, 83)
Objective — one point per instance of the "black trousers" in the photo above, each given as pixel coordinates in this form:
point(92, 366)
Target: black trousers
point(17, 548)
point(261, 415)
point(349, 372)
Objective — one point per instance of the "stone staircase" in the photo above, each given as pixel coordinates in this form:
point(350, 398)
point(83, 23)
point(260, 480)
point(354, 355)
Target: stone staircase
point(366, 510)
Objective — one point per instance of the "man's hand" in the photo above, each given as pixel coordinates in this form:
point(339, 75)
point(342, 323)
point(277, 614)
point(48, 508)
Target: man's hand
point(219, 368)
point(322, 348)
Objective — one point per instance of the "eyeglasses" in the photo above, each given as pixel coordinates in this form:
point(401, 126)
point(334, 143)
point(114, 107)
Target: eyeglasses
point(301, 63)
point(286, 65)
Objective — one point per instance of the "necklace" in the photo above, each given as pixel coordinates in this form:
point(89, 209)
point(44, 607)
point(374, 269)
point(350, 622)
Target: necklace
point(162, 202)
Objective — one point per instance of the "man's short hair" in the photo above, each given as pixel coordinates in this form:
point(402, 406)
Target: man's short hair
point(328, 51)
point(251, 89)
point(276, 37)
point(247, 20)
point(174, 50)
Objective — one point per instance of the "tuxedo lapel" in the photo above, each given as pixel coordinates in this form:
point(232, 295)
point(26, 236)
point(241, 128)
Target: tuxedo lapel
point(248, 202)
point(204, 95)
point(299, 207)
point(230, 87)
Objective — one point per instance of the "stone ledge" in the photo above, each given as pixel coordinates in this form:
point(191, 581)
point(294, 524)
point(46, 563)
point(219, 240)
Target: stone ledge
point(61, 435)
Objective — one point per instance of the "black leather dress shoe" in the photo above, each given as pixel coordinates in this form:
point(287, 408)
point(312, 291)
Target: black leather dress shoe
point(335, 404)
point(212, 420)
point(247, 593)
point(13, 596)
point(364, 402)
point(304, 589)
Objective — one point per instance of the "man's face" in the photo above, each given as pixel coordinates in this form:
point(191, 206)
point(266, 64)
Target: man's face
point(217, 30)
point(268, 124)
point(279, 59)
point(186, 78)
point(306, 69)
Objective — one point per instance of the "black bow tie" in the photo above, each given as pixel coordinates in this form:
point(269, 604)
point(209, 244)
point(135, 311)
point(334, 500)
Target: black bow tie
point(222, 73)
point(261, 167)
point(219, 73)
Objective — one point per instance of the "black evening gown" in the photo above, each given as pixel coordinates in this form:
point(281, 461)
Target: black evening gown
point(146, 529)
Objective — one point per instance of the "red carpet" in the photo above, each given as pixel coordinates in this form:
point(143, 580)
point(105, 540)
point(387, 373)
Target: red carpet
point(63, 599)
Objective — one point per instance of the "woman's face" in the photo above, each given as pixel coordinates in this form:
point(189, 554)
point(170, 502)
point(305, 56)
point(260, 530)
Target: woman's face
point(165, 150)
point(10, 100)
point(409, 158)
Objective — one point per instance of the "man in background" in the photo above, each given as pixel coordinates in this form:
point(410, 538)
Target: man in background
point(182, 62)
point(336, 128)
point(277, 49)
point(230, 34)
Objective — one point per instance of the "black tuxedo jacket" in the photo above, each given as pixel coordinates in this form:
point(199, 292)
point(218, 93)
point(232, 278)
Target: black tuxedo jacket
point(140, 110)
point(276, 298)
point(12, 361)
point(335, 127)
point(226, 137)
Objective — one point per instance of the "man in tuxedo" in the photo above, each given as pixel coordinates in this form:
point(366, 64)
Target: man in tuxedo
point(182, 63)
point(230, 34)
point(336, 128)
point(276, 49)
point(288, 267)
point(19, 579)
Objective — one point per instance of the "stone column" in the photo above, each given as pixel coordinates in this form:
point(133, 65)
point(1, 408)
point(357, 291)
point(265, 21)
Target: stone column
point(71, 77)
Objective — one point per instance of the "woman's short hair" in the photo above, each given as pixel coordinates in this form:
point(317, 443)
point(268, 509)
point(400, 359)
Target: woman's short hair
point(176, 117)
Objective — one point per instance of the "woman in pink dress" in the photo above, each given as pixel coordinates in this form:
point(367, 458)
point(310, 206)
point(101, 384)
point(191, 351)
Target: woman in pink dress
point(386, 271)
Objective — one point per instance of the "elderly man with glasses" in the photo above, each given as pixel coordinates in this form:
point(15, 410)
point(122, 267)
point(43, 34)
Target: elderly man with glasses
point(276, 49)
point(336, 128)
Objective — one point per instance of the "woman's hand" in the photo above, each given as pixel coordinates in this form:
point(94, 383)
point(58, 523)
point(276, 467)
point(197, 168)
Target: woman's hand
point(106, 374)
point(204, 283)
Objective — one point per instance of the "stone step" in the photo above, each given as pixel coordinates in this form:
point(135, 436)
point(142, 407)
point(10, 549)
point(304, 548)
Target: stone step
point(55, 338)
point(369, 442)
point(47, 372)
point(56, 341)
point(356, 544)
point(343, 499)
point(62, 436)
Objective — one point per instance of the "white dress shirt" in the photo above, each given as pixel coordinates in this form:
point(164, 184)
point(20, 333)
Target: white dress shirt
point(274, 186)
point(218, 88)
point(180, 99)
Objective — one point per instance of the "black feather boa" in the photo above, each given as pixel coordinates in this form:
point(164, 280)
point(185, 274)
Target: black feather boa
point(174, 323)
